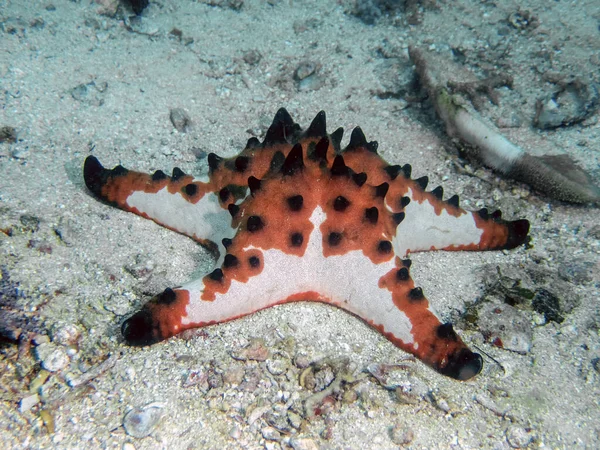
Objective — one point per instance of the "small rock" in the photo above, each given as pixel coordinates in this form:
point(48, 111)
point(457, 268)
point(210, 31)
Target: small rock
point(140, 422)
point(304, 70)
point(301, 361)
point(276, 366)
point(401, 434)
point(28, 402)
point(572, 103)
point(303, 444)
point(546, 303)
point(8, 134)
point(196, 377)
point(252, 57)
point(518, 437)
point(68, 334)
point(52, 357)
point(256, 351)
point(235, 432)
point(180, 119)
point(294, 419)
point(271, 434)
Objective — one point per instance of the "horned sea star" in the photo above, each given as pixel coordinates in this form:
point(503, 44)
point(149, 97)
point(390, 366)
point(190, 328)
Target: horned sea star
point(296, 217)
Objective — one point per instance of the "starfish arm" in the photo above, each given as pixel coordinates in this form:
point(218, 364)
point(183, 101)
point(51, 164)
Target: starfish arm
point(432, 224)
point(177, 202)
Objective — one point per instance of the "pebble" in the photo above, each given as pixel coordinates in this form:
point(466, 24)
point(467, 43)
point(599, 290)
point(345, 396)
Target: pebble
point(52, 357)
point(519, 437)
point(401, 434)
point(303, 444)
point(28, 402)
point(256, 351)
point(294, 419)
point(66, 335)
point(572, 103)
point(235, 432)
point(140, 422)
point(271, 434)
point(180, 119)
point(276, 366)
point(304, 70)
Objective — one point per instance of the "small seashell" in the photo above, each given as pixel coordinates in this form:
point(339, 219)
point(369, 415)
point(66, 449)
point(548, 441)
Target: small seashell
point(140, 422)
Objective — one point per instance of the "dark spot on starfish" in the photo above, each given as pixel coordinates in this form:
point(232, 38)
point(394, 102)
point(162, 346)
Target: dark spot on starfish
point(294, 161)
point(230, 261)
point(276, 162)
point(241, 163)
point(372, 214)
point(496, 215)
point(214, 161)
point(384, 247)
point(216, 275)
point(119, 171)
point(190, 189)
point(406, 170)
point(177, 174)
point(224, 195)
point(404, 201)
point(252, 143)
point(167, 297)
point(334, 238)
point(233, 209)
point(296, 239)
point(453, 201)
point(295, 202)
point(340, 203)
point(336, 138)
point(398, 217)
point(438, 192)
point(339, 168)
point(359, 178)
point(462, 365)
point(254, 261)
point(139, 329)
point(320, 153)
point(445, 331)
point(254, 224)
point(382, 190)
point(317, 127)
point(416, 294)
point(254, 185)
point(517, 233)
point(281, 129)
point(483, 213)
point(159, 175)
point(402, 274)
point(227, 242)
point(406, 263)
point(422, 182)
point(393, 171)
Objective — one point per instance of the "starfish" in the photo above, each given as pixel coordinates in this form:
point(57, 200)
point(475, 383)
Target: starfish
point(297, 217)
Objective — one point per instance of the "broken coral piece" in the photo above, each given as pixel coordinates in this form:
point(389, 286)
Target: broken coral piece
point(556, 176)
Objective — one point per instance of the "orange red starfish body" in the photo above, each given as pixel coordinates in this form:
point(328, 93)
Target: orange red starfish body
point(297, 217)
